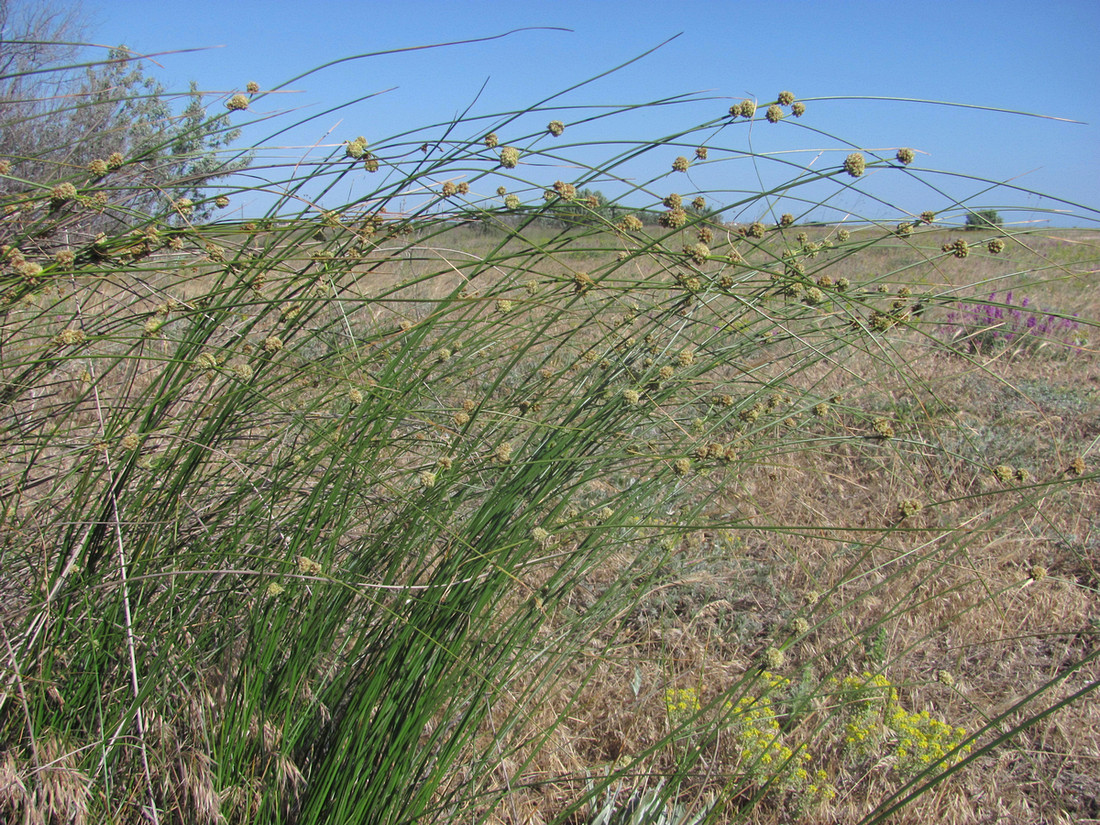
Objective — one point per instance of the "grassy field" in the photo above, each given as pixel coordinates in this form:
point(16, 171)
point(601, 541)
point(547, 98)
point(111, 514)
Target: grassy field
point(381, 517)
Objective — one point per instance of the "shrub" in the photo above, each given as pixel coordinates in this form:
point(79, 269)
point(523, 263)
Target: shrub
point(984, 219)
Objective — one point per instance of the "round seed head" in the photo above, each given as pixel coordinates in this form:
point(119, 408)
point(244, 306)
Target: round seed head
point(786, 219)
point(511, 202)
point(252, 87)
point(996, 246)
point(748, 108)
point(786, 98)
point(555, 127)
point(491, 140)
point(237, 103)
point(701, 153)
point(221, 201)
point(854, 164)
point(774, 114)
point(680, 164)
point(98, 167)
point(906, 155)
point(115, 160)
point(673, 201)
point(798, 108)
point(509, 157)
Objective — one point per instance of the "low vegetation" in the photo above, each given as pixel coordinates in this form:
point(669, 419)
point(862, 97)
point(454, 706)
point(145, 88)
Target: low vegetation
point(483, 498)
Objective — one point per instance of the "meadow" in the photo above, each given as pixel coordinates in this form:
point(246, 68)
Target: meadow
point(517, 505)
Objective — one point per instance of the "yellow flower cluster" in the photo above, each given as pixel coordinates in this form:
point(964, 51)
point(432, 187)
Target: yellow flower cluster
point(765, 754)
point(878, 723)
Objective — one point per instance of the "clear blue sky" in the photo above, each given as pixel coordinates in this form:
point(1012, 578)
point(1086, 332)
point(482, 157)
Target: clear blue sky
point(1041, 57)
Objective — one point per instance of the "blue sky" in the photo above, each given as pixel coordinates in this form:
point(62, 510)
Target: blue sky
point(1035, 57)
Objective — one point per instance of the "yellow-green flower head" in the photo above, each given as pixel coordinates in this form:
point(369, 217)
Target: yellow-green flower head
point(98, 167)
point(463, 188)
point(748, 108)
point(501, 191)
point(206, 361)
point(774, 114)
point(785, 98)
point(774, 657)
point(944, 677)
point(512, 202)
point(631, 223)
point(509, 157)
point(673, 218)
point(426, 479)
point(252, 87)
point(906, 155)
point(115, 160)
point(698, 253)
point(5, 167)
point(854, 164)
point(701, 153)
point(883, 427)
point(503, 452)
point(1038, 572)
point(680, 164)
point(355, 396)
point(566, 191)
point(63, 192)
point(960, 249)
point(686, 357)
point(1077, 466)
point(705, 235)
point(632, 397)
point(786, 219)
point(504, 306)
point(735, 110)
point(491, 140)
point(843, 235)
point(698, 203)
point(236, 103)
point(582, 282)
point(904, 228)
point(221, 201)
point(1003, 472)
point(814, 296)
point(184, 206)
point(243, 372)
point(274, 589)
point(308, 567)
point(800, 626)
point(70, 337)
point(355, 149)
point(673, 201)
point(65, 257)
point(448, 189)
point(541, 536)
point(909, 507)
point(272, 344)
point(681, 466)
point(996, 246)
point(152, 326)
point(798, 109)
point(756, 230)
point(370, 162)
point(555, 127)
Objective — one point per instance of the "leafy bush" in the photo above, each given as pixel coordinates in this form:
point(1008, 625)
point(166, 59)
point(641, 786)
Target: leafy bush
point(984, 219)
